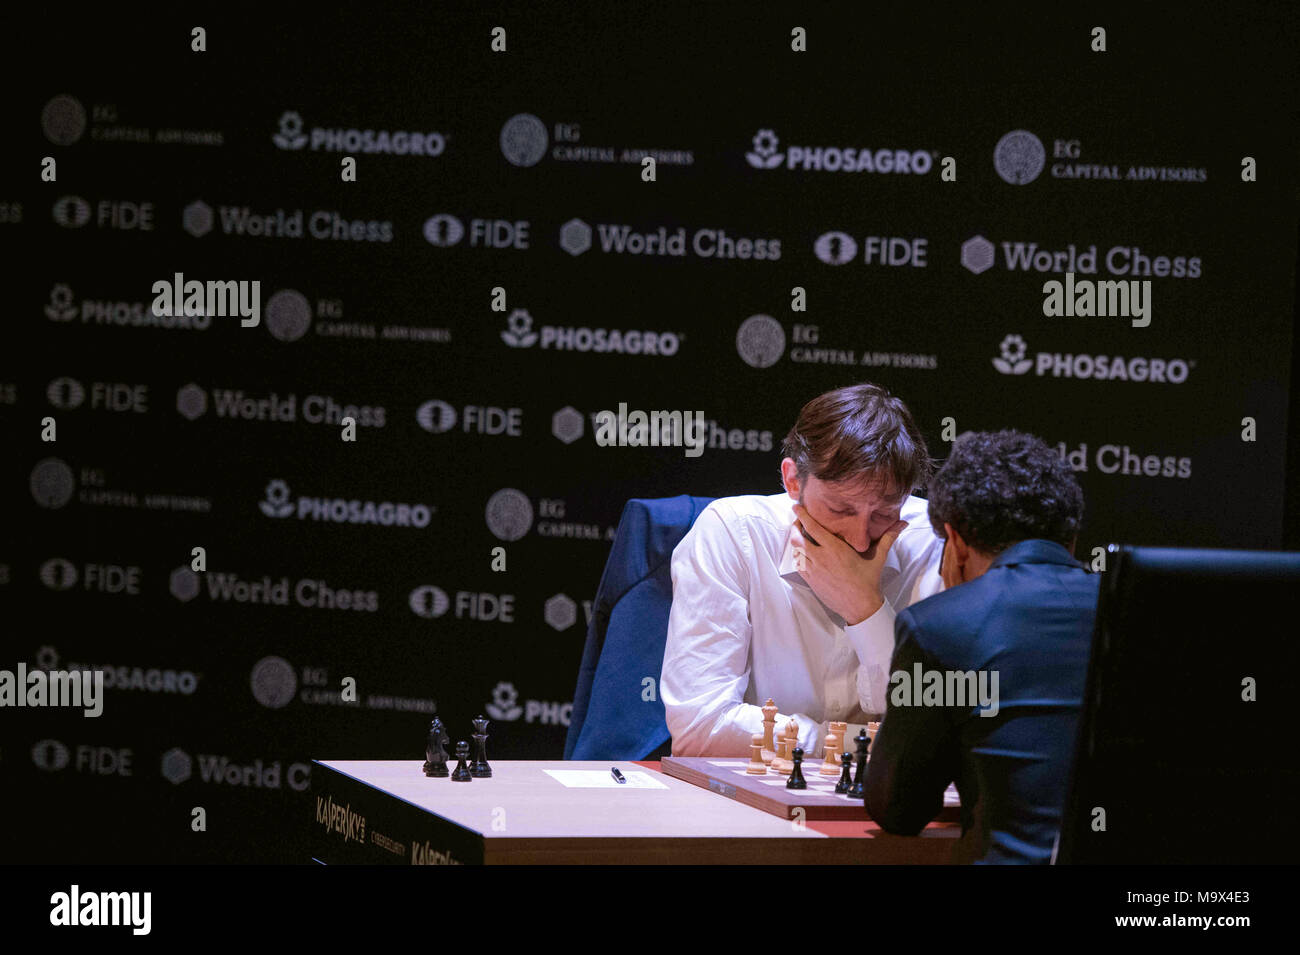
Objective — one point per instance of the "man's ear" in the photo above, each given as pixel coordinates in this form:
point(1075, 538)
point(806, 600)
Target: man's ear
point(790, 477)
point(960, 549)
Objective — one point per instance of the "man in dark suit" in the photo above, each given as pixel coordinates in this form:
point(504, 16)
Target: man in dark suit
point(1001, 655)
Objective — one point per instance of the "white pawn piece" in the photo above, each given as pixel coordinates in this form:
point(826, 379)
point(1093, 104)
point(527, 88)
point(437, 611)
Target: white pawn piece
point(769, 728)
point(756, 765)
point(790, 740)
point(831, 755)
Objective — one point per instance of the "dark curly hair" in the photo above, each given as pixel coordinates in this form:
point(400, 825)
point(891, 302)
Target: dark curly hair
point(997, 488)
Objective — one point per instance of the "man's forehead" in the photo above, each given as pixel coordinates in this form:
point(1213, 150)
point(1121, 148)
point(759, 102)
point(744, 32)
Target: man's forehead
point(870, 491)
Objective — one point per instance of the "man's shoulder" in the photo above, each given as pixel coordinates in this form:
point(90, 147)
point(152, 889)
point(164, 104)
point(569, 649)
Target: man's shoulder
point(754, 509)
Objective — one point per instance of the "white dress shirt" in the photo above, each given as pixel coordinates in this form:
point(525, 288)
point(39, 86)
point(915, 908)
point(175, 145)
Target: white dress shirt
point(745, 626)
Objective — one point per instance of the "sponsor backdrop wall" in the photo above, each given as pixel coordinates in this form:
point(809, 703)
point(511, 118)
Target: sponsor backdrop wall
point(498, 273)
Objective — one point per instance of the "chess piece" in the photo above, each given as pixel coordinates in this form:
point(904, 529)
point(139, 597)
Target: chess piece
point(796, 780)
point(831, 754)
point(789, 741)
point(769, 727)
point(435, 756)
point(858, 790)
point(480, 769)
point(462, 773)
point(756, 765)
point(846, 778)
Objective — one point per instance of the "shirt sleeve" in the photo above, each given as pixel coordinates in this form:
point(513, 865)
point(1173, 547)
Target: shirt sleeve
point(873, 638)
point(915, 754)
point(706, 656)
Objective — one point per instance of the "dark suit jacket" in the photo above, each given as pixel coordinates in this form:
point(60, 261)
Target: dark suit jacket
point(1029, 618)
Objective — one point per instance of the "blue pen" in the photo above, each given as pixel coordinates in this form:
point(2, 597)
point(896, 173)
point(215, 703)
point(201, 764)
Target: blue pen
point(617, 775)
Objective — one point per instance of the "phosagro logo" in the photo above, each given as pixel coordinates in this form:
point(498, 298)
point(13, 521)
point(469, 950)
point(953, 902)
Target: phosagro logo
point(279, 503)
point(767, 155)
point(504, 706)
point(292, 137)
point(519, 333)
point(1014, 360)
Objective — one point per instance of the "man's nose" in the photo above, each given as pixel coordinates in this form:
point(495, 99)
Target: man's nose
point(859, 535)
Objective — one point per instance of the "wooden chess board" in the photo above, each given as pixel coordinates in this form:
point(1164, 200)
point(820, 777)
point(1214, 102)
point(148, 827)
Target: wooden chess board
point(727, 777)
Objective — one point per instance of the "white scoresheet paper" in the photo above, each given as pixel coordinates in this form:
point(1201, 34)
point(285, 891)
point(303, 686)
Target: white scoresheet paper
point(603, 779)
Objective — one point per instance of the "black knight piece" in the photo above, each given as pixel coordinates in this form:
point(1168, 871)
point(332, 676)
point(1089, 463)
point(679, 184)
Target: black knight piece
point(462, 775)
point(480, 769)
point(846, 777)
point(435, 756)
point(796, 780)
point(858, 790)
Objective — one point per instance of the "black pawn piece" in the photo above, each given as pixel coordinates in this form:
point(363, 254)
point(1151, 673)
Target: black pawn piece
point(435, 757)
point(480, 769)
point(796, 780)
point(846, 776)
point(462, 774)
point(858, 790)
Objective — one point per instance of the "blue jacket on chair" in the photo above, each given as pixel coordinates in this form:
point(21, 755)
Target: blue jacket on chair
point(629, 628)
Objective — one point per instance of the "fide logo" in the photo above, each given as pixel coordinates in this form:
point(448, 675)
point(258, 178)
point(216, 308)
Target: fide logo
point(760, 341)
point(288, 315)
point(509, 514)
point(835, 248)
point(436, 416)
point(58, 574)
point(65, 393)
point(71, 212)
point(273, 682)
point(1019, 157)
point(503, 705)
point(443, 230)
point(63, 120)
point(523, 140)
point(50, 755)
point(290, 135)
point(1013, 360)
point(429, 601)
point(519, 332)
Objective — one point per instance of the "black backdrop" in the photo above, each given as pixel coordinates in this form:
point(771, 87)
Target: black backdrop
point(225, 683)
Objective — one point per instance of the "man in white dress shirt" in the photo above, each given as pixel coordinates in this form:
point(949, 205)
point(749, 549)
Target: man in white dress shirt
point(793, 595)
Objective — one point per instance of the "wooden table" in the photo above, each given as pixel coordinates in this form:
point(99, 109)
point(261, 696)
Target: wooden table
point(388, 811)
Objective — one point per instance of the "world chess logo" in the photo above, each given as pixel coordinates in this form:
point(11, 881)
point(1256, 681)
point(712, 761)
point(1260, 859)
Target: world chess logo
point(978, 254)
point(65, 393)
point(177, 766)
point(443, 230)
point(50, 755)
point(277, 503)
point(1019, 157)
point(575, 237)
point(764, 154)
point(503, 705)
point(63, 120)
point(519, 330)
point(436, 416)
point(429, 601)
point(58, 574)
point(290, 135)
point(47, 658)
point(184, 584)
point(760, 341)
point(62, 307)
point(523, 139)
point(196, 218)
point(560, 612)
point(71, 212)
point(567, 424)
point(288, 315)
point(1013, 360)
point(835, 248)
point(273, 682)
point(52, 483)
point(509, 514)
point(191, 401)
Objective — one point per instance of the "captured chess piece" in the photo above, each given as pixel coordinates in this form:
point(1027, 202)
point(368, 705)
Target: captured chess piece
point(846, 778)
point(796, 780)
point(756, 765)
point(858, 790)
point(769, 728)
point(462, 773)
point(480, 769)
point(435, 756)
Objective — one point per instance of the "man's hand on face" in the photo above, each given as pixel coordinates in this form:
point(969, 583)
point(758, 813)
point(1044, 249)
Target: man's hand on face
point(845, 581)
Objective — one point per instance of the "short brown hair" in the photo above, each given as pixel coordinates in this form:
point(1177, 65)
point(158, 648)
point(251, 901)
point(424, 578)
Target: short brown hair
point(859, 433)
